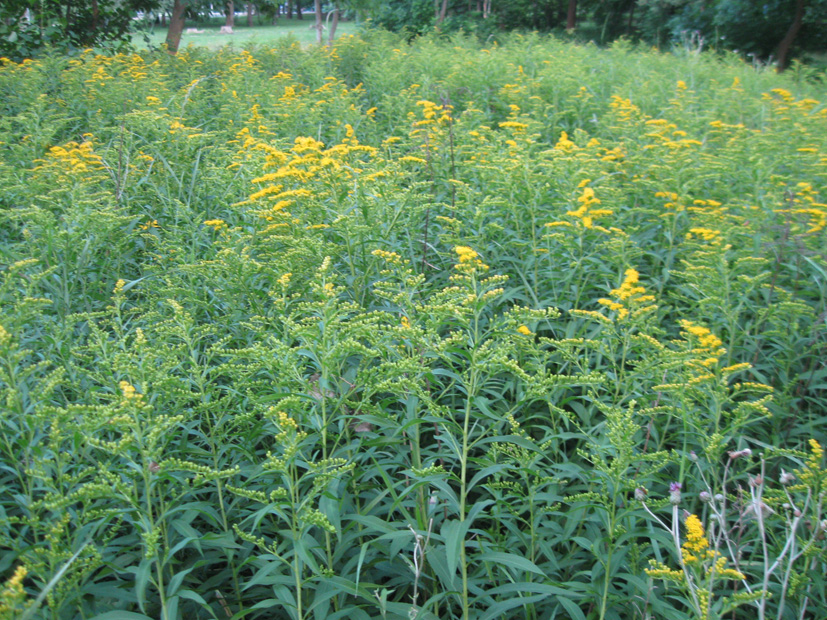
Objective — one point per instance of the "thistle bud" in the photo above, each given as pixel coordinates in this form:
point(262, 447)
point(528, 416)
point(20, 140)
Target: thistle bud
point(640, 494)
point(705, 497)
point(675, 493)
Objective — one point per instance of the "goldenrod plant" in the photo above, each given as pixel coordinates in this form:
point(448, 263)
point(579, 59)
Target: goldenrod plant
point(429, 329)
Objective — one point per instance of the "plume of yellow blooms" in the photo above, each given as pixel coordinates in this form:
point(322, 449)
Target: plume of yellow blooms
point(469, 260)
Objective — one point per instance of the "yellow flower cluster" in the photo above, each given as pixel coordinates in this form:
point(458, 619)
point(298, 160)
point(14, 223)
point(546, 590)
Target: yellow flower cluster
point(390, 257)
point(564, 143)
point(696, 547)
point(630, 295)
point(285, 422)
point(586, 213)
point(129, 392)
point(216, 224)
point(12, 596)
point(673, 201)
point(74, 156)
point(805, 203)
point(469, 260)
point(433, 113)
point(812, 475)
point(706, 338)
point(659, 570)
point(707, 234)
point(629, 289)
point(719, 569)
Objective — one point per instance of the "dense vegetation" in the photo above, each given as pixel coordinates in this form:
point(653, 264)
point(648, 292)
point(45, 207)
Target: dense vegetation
point(532, 330)
point(769, 31)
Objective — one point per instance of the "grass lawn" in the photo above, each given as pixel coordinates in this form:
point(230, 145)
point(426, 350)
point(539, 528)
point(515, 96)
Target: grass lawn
point(260, 33)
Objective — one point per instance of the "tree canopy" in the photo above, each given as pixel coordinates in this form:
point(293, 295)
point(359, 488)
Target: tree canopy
point(770, 29)
point(27, 26)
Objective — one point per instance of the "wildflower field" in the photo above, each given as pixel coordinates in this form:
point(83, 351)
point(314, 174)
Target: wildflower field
point(430, 330)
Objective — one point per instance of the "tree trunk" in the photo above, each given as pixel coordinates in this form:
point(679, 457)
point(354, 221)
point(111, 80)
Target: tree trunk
point(250, 7)
point(442, 12)
point(298, 9)
point(571, 20)
point(229, 12)
point(789, 38)
point(318, 6)
point(631, 24)
point(176, 26)
point(289, 9)
point(331, 30)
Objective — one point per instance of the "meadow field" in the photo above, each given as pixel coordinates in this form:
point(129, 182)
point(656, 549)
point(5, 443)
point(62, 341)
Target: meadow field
point(434, 330)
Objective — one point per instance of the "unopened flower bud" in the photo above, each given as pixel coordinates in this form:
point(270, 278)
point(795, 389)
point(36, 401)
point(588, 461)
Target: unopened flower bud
point(693, 457)
point(786, 477)
point(705, 497)
point(640, 494)
point(675, 493)
point(719, 497)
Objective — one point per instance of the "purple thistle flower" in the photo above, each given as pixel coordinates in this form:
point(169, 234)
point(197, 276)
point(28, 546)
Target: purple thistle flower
point(674, 493)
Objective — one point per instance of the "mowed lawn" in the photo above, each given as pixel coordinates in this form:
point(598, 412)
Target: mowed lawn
point(261, 33)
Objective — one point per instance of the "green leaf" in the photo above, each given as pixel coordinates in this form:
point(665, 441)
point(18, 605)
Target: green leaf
point(572, 608)
point(121, 615)
point(511, 561)
point(453, 533)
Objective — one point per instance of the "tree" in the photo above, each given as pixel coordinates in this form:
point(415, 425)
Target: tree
point(571, 19)
point(783, 51)
point(765, 29)
point(318, 26)
point(27, 26)
point(176, 25)
point(331, 28)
